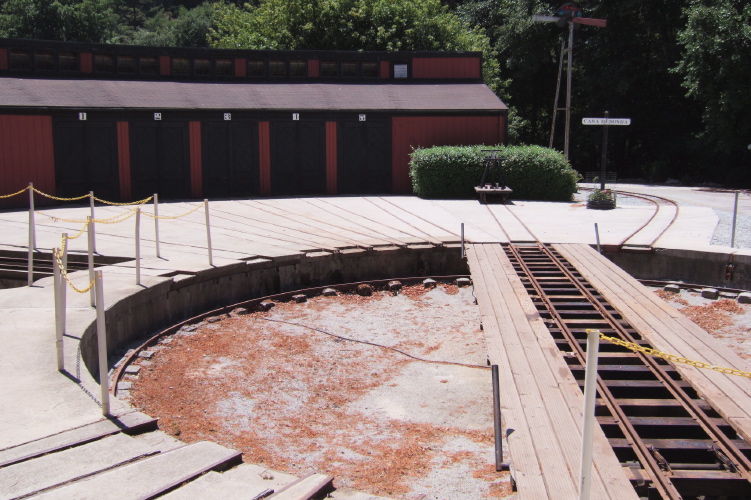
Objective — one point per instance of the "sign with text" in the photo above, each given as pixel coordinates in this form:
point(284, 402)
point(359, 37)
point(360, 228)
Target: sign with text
point(606, 121)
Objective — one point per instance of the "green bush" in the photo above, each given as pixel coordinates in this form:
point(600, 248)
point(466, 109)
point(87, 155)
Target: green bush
point(533, 172)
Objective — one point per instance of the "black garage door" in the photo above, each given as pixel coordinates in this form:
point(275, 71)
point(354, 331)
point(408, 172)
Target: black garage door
point(230, 158)
point(364, 157)
point(159, 159)
point(298, 158)
point(86, 159)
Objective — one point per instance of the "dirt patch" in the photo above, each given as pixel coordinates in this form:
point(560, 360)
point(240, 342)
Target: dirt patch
point(725, 318)
point(319, 387)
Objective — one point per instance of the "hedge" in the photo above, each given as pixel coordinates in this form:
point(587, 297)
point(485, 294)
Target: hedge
point(533, 172)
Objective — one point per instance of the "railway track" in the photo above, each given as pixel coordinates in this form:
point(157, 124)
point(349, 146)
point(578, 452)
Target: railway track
point(653, 229)
point(672, 442)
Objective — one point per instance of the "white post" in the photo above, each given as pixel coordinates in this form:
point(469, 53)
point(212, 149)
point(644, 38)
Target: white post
point(32, 235)
point(59, 310)
point(208, 231)
point(138, 246)
point(101, 335)
point(64, 291)
point(90, 234)
point(590, 393)
point(91, 226)
point(735, 216)
point(597, 237)
point(156, 223)
point(32, 224)
point(464, 254)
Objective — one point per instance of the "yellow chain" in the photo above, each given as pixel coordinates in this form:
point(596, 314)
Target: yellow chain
point(56, 254)
point(672, 357)
point(108, 220)
point(14, 194)
point(58, 198)
point(85, 225)
point(172, 216)
point(123, 217)
point(139, 202)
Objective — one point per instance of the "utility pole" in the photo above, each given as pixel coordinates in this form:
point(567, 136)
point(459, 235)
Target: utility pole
point(567, 14)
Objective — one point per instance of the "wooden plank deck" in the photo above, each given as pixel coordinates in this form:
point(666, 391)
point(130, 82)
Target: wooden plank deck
point(669, 331)
point(541, 403)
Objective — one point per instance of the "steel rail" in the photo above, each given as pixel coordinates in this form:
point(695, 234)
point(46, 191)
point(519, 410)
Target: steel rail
point(664, 485)
point(651, 198)
point(678, 393)
point(645, 454)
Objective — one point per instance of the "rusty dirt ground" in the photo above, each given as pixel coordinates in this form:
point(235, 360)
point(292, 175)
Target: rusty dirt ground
point(287, 389)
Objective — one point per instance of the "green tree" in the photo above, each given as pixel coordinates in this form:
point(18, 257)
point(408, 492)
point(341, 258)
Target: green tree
point(184, 28)
point(76, 20)
point(623, 68)
point(716, 68)
point(389, 25)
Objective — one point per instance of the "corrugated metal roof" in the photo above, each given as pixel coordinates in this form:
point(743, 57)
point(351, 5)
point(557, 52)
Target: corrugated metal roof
point(49, 93)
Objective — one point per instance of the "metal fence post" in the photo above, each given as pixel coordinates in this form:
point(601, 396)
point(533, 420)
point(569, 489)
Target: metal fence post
point(499, 463)
point(590, 394)
point(464, 253)
point(735, 217)
point(65, 270)
point(156, 223)
point(597, 237)
point(59, 309)
point(138, 246)
point(101, 334)
point(32, 235)
point(208, 231)
point(90, 235)
point(91, 204)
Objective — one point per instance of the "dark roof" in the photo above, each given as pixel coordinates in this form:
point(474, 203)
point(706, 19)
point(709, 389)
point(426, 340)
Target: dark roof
point(45, 93)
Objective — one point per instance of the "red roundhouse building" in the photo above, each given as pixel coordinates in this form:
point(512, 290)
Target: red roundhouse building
point(130, 121)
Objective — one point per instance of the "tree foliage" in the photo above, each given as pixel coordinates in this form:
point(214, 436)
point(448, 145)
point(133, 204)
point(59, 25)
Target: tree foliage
point(76, 20)
point(716, 70)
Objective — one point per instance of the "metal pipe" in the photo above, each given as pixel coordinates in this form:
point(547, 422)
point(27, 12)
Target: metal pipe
point(91, 204)
point(735, 216)
point(604, 152)
point(156, 223)
point(90, 234)
point(588, 427)
point(101, 335)
point(59, 321)
point(464, 253)
point(567, 132)
point(32, 235)
point(497, 419)
point(597, 237)
point(138, 246)
point(208, 232)
point(64, 291)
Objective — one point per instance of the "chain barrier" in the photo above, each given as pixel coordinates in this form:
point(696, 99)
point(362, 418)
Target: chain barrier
point(59, 198)
point(139, 202)
point(672, 357)
point(108, 220)
point(14, 194)
point(173, 216)
point(64, 273)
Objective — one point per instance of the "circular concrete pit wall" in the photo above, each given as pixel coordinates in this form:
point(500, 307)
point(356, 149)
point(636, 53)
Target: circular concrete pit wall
point(688, 266)
point(183, 296)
